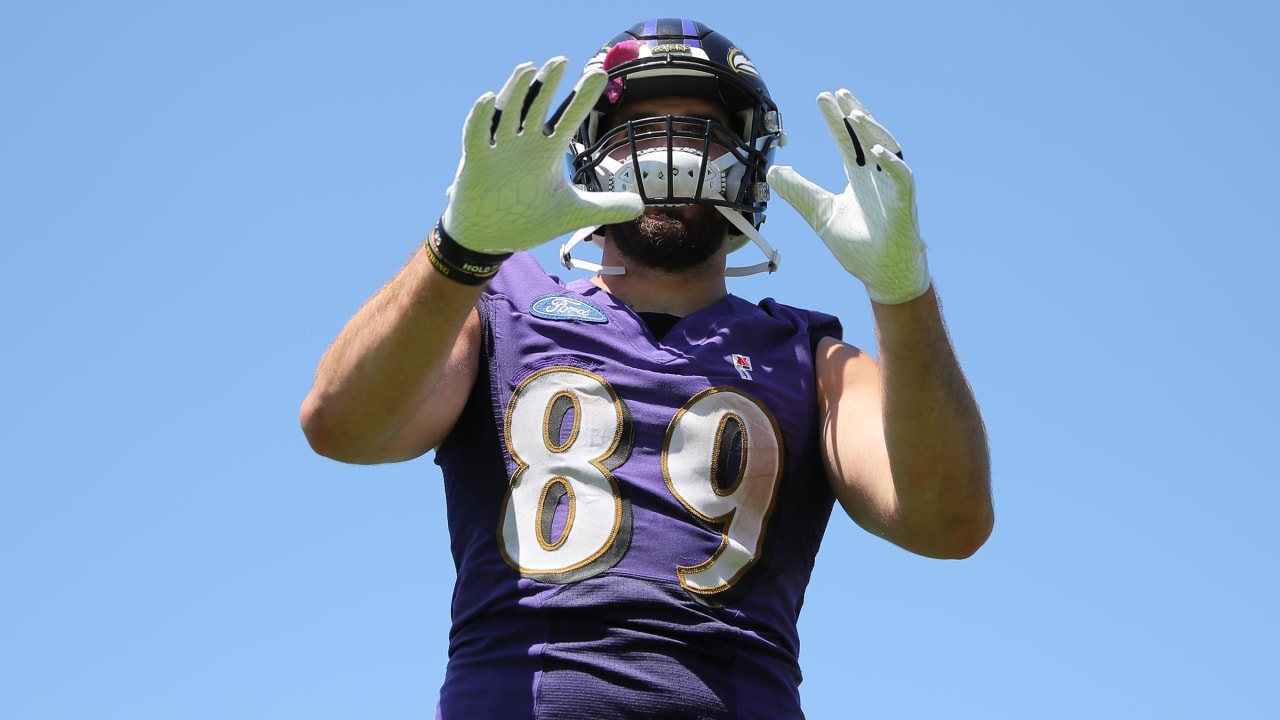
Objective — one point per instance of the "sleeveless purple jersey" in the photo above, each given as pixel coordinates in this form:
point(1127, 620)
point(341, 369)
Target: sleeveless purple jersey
point(633, 520)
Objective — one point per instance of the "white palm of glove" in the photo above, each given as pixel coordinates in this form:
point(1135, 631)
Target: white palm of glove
point(871, 227)
point(511, 192)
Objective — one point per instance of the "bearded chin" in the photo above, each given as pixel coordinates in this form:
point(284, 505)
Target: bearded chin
point(671, 239)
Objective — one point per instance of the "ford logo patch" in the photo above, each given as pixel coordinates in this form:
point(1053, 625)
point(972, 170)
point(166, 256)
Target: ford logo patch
point(562, 307)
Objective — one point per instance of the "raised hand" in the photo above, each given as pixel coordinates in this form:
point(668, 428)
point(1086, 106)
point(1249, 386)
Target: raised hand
point(871, 227)
point(511, 192)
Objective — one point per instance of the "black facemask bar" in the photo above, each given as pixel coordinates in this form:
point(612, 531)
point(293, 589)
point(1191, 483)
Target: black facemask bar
point(720, 148)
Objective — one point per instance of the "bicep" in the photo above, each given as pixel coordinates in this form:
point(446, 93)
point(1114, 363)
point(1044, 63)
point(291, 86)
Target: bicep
point(856, 457)
point(443, 405)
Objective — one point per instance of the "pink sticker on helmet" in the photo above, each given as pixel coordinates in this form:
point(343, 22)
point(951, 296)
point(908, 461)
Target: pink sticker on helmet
point(620, 53)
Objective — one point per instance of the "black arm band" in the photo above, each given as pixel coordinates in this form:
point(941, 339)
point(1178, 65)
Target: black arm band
point(458, 263)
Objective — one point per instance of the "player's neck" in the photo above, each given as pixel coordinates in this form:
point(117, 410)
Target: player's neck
point(677, 293)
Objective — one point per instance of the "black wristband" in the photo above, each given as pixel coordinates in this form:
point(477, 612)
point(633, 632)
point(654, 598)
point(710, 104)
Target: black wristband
point(458, 263)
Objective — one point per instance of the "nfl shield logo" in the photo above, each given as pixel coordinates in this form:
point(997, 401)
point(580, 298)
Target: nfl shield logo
point(743, 365)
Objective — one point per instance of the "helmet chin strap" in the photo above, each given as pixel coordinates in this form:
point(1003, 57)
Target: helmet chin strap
point(770, 265)
point(571, 262)
point(734, 217)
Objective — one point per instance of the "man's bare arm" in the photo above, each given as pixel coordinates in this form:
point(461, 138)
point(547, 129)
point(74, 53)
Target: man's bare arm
point(395, 380)
point(904, 441)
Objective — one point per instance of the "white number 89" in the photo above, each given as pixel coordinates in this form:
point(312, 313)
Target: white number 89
point(567, 430)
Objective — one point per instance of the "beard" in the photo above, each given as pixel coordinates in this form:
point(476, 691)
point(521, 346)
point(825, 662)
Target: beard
point(671, 238)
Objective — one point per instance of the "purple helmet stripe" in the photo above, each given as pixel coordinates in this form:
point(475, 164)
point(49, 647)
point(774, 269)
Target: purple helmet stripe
point(690, 33)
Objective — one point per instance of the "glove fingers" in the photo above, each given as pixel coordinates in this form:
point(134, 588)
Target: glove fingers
point(541, 91)
point(894, 166)
point(848, 119)
point(601, 208)
point(872, 132)
point(847, 142)
point(477, 130)
point(581, 100)
point(575, 209)
point(507, 124)
point(811, 200)
point(848, 103)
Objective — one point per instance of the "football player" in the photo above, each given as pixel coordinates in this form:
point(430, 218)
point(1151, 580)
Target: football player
point(639, 466)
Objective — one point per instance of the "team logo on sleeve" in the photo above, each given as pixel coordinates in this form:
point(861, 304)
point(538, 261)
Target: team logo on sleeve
point(563, 307)
point(742, 364)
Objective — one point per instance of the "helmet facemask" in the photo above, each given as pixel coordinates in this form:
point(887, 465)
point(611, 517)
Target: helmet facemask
point(662, 159)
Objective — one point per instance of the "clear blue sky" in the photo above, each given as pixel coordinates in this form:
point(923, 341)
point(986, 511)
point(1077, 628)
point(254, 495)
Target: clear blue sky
point(195, 197)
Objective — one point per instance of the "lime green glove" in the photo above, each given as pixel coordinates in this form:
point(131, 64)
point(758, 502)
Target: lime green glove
point(871, 227)
point(511, 192)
